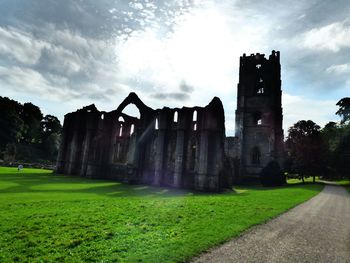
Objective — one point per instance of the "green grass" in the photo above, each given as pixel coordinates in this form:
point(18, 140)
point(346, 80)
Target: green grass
point(299, 181)
point(47, 217)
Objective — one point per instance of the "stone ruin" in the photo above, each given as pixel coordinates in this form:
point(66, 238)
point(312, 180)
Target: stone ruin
point(181, 147)
point(259, 133)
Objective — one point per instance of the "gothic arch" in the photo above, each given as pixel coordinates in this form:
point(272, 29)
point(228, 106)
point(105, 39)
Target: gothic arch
point(132, 98)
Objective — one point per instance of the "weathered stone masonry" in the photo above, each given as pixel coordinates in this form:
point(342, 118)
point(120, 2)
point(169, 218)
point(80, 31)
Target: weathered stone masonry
point(181, 148)
point(259, 134)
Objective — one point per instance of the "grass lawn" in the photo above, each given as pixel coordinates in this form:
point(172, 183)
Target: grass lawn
point(299, 181)
point(47, 217)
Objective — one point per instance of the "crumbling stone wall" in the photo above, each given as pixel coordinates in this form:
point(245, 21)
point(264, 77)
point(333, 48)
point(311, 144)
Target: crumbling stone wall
point(182, 147)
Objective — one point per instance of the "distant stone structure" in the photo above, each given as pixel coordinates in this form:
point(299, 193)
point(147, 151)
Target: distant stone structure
point(259, 134)
point(181, 147)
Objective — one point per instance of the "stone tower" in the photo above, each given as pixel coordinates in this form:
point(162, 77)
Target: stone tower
point(259, 113)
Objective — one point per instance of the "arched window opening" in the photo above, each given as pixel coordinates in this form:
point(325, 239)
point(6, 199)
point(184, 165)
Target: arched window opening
point(132, 129)
point(102, 116)
point(260, 86)
point(121, 119)
point(121, 130)
point(260, 90)
point(195, 126)
point(258, 119)
point(175, 116)
point(156, 125)
point(132, 111)
point(194, 118)
point(255, 156)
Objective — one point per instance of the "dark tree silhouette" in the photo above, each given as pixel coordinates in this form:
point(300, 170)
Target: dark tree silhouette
point(25, 134)
point(344, 109)
point(305, 149)
point(51, 129)
point(31, 116)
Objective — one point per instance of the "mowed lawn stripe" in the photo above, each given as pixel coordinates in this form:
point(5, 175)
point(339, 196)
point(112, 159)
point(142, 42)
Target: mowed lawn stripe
point(48, 217)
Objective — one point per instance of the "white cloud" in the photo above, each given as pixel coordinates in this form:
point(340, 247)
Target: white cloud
point(332, 37)
point(203, 51)
point(192, 42)
point(339, 69)
point(28, 81)
point(20, 45)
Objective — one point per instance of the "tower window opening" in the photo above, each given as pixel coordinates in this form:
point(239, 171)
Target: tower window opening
point(194, 118)
point(260, 91)
point(121, 130)
point(258, 66)
point(156, 125)
point(260, 86)
point(195, 126)
point(258, 119)
point(121, 119)
point(102, 116)
point(175, 116)
point(255, 156)
point(132, 129)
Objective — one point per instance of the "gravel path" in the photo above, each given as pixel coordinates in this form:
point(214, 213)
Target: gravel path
point(315, 231)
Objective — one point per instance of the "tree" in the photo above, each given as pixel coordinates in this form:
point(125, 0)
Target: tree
point(50, 124)
point(11, 125)
point(51, 129)
point(344, 109)
point(305, 149)
point(25, 134)
point(342, 156)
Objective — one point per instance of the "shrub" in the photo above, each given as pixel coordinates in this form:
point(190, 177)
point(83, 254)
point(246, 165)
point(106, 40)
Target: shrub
point(272, 175)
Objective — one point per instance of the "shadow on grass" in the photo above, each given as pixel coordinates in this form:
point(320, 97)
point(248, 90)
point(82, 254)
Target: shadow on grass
point(57, 183)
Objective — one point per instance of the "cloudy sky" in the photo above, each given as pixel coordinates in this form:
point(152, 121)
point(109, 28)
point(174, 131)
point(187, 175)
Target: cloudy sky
point(62, 55)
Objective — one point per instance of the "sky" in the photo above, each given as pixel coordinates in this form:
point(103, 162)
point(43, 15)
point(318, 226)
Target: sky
point(63, 55)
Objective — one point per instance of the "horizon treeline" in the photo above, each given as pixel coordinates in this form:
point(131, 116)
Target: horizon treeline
point(26, 135)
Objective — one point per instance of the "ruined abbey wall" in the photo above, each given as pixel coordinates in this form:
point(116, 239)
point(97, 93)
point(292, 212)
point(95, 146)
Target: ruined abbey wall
point(181, 148)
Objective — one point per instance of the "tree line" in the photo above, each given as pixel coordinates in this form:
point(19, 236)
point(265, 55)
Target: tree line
point(312, 151)
point(26, 134)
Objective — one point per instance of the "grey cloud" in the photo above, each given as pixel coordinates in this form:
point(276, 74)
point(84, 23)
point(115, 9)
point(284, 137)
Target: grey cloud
point(60, 61)
point(171, 95)
point(186, 88)
point(19, 45)
point(95, 19)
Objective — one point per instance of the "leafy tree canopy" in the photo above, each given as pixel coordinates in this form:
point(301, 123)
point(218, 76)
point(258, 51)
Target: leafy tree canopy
point(344, 109)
